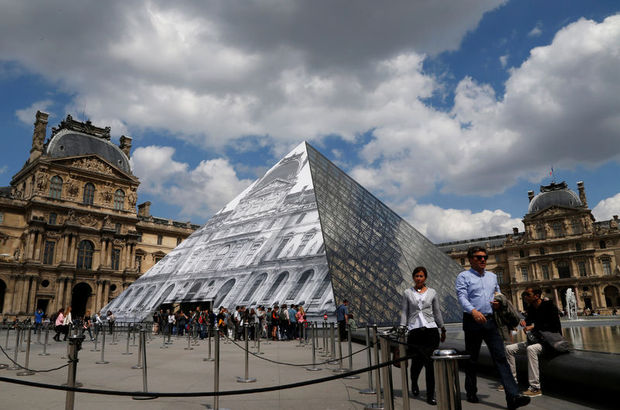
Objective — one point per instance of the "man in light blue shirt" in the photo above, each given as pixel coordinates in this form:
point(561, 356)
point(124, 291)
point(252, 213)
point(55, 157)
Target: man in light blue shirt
point(475, 289)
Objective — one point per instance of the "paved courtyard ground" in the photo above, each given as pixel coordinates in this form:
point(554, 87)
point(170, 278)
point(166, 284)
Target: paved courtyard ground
point(178, 370)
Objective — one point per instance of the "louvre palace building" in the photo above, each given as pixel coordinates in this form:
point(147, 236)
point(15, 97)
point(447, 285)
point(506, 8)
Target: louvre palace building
point(563, 247)
point(70, 234)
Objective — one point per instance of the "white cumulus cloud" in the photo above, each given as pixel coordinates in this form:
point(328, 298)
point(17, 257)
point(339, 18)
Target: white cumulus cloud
point(607, 208)
point(198, 192)
point(27, 115)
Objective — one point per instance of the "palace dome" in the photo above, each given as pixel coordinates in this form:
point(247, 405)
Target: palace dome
point(554, 195)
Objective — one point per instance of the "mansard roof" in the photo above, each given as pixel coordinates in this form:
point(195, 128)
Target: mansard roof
point(73, 138)
point(557, 195)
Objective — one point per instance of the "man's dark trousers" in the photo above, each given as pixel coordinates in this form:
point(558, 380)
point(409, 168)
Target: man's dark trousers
point(475, 333)
point(342, 329)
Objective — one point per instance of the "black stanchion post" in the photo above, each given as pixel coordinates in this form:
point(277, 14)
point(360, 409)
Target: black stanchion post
point(387, 375)
point(26, 371)
point(259, 332)
point(332, 331)
point(45, 340)
point(15, 366)
point(140, 347)
point(189, 341)
point(378, 405)
point(247, 378)
point(3, 365)
point(127, 352)
point(208, 358)
point(354, 376)
point(6, 342)
point(142, 350)
point(370, 389)
point(340, 369)
point(324, 333)
point(313, 368)
point(402, 348)
point(96, 340)
point(75, 343)
point(102, 360)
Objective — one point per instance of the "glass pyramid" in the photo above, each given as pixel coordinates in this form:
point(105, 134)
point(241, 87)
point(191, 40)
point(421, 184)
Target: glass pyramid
point(305, 233)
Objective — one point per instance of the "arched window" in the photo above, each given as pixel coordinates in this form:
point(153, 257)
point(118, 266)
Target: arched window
point(281, 278)
point(119, 200)
point(89, 194)
point(299, 285)
point(56, 187)
point(259, 281)
point(85, 255)
point(223, 292)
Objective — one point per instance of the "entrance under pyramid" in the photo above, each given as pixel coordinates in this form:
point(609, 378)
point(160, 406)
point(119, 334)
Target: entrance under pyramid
point(305, 233)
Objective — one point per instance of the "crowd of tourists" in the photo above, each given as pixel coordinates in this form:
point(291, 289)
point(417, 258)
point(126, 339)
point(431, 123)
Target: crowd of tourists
point(277, 322)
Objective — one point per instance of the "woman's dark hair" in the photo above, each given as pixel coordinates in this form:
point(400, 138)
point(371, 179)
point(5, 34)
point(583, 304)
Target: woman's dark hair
point(420, 269)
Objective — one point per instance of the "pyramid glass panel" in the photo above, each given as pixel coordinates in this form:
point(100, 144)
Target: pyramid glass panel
point(301, 234)
point(372, 251)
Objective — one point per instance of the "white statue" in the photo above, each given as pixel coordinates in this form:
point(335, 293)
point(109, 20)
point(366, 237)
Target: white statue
point(571, 305)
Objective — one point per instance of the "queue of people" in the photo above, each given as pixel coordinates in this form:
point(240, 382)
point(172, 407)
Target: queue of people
point(277, 322)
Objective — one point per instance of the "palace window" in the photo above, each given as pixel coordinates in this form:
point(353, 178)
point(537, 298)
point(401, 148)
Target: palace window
point(524, 274)
point(602, 244)
point(500, 276)
point(89, 194)
point(582, 268)
point(52, 218)
point(606, 266)
point(578, 246)
point(179, 240)
point(284, 242)
point(55, 187)
point(563, 269)
point(540, 232)
point(545, 272)
point(1, 217)
point(558, 231)
point(48, 253)
point(576, 227)
point(85, 255)
point(116, 259)
point(541, 251)
point(160, 239)
point(304, 241)
point(119, 200)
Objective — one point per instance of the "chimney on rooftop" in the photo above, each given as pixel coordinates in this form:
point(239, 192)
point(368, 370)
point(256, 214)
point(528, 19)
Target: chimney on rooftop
point(144, 209)
point(125, 145)
point(38, 135)
point(582, 194)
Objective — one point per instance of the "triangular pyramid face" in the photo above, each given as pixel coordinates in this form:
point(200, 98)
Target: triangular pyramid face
point(272, 244)
point(263, 248)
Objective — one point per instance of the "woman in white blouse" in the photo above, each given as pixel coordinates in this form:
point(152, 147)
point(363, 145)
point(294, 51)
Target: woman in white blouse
point(422, 317)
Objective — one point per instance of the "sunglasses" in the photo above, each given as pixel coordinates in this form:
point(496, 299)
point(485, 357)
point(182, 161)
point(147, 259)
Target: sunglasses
point(481, 257)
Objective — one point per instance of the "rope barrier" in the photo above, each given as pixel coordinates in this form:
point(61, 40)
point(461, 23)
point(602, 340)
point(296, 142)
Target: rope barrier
point(292, 364)
point(202, 394)
point(32, 370)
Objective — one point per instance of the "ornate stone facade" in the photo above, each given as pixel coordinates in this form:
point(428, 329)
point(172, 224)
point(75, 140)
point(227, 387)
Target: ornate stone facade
point(562, 248)
point(70, 234)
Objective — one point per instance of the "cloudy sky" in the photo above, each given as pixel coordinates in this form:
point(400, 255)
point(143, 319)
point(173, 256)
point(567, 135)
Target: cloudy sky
point(449, 111)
